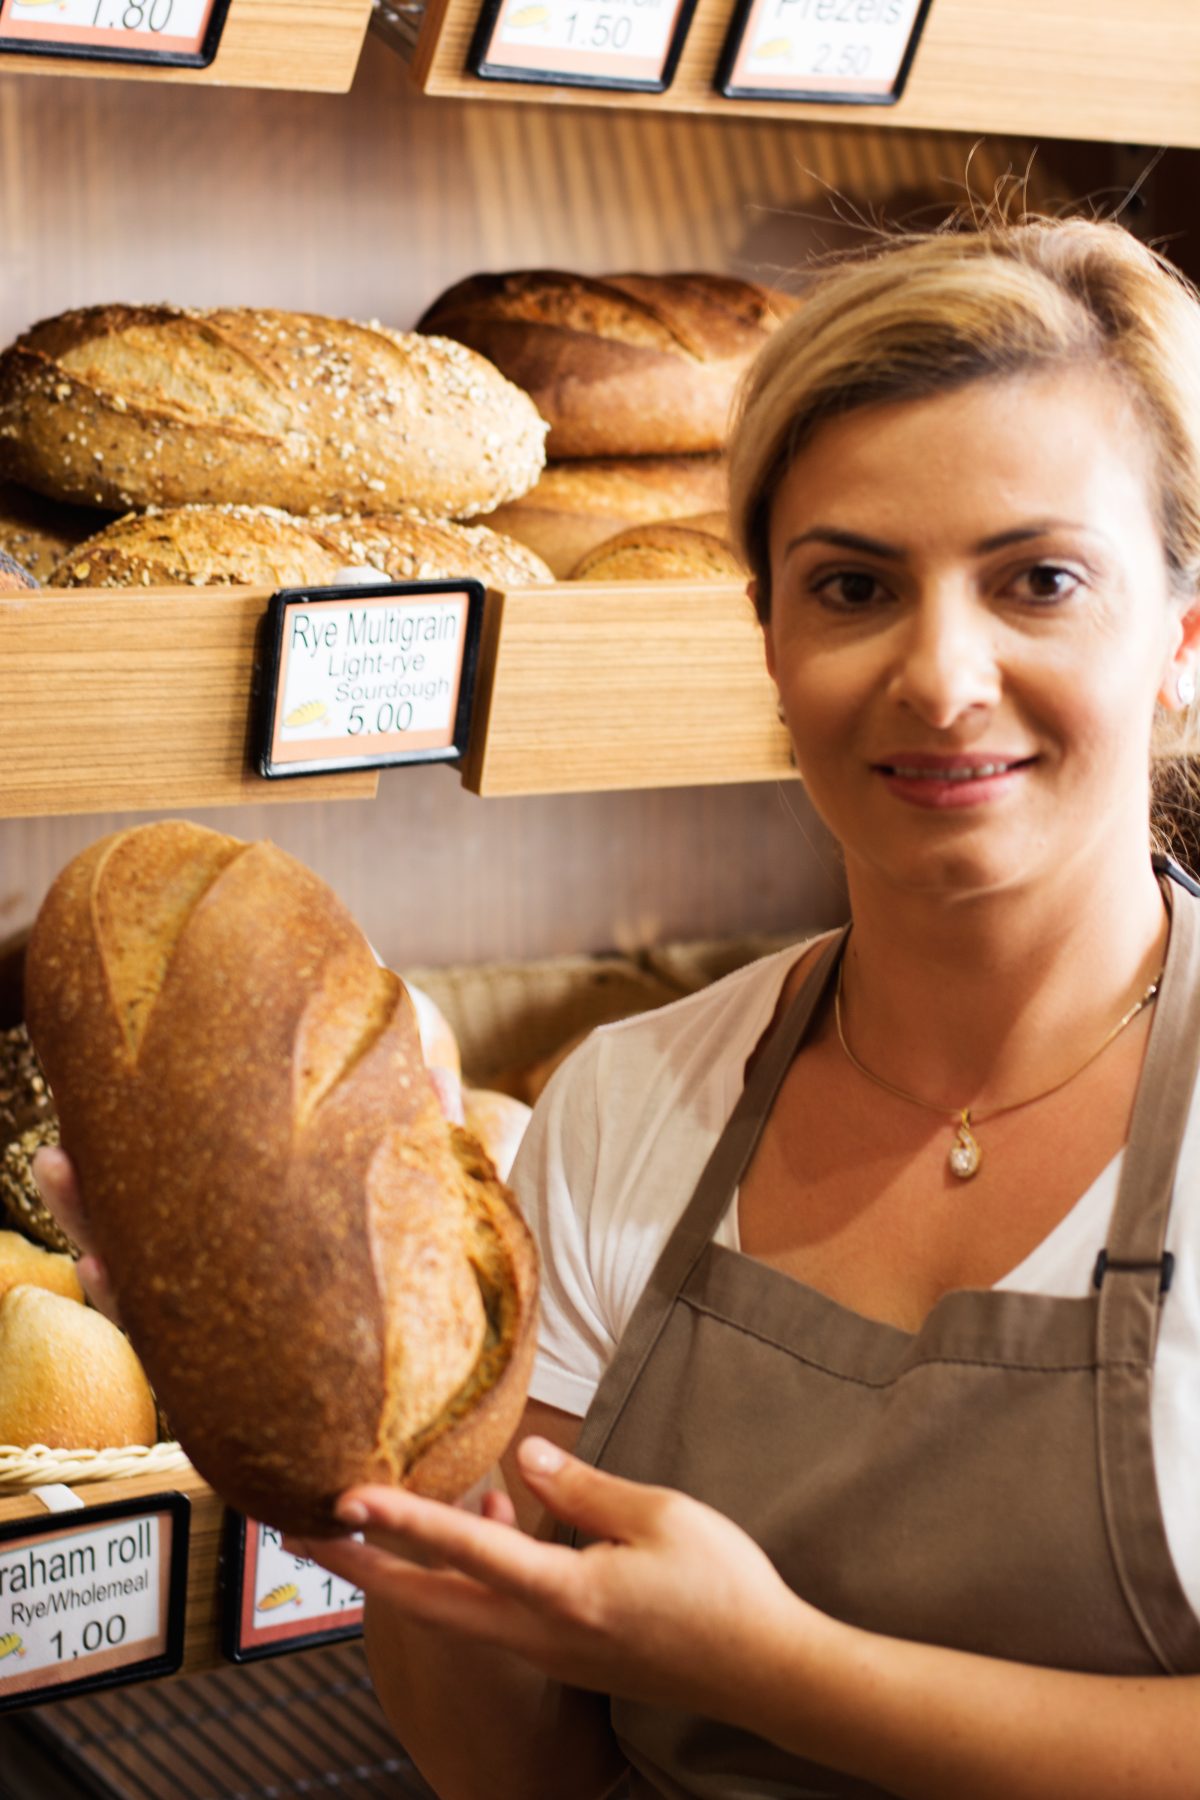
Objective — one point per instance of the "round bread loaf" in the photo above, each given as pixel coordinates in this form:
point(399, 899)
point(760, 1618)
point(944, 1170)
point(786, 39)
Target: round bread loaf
point(71, 1381)
point(621, 365)
point(325, 1280)
point(678, 550)
point(121, 406)
point(28, 1265)
point(576, 505)
point(259, 546)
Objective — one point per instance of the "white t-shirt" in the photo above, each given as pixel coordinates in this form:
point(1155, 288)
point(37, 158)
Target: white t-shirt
point(615, 1148)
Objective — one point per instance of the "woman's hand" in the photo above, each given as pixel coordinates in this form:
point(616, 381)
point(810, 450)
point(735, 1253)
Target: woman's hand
point(54, 1173)
point(674, 1605)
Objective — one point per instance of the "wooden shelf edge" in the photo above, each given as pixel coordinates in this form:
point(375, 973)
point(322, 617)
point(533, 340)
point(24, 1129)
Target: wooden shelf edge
point(1075, 69)
point(277, 44)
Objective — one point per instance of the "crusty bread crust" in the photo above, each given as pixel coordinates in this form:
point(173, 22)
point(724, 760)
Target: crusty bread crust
point(293, 1234)
point(624, 365)
point(133, 406)
point(576, 505)
point(678, 550)
point(259, 546)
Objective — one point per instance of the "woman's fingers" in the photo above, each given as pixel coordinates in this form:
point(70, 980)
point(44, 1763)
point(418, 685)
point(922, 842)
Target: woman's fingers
point(603, 1506)
point(54, 1173)
point(55, 1176)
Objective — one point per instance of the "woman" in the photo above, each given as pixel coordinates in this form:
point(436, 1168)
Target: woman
point(878, 1491)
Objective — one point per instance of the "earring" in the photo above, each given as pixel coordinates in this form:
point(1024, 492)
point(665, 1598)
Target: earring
point(779, 712)
point(1185, 687)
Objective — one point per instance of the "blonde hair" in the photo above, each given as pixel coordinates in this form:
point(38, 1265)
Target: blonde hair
point(921, 315)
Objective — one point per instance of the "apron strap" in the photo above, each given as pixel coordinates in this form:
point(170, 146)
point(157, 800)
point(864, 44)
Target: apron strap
point(719, 1179)
point(1133, 1274)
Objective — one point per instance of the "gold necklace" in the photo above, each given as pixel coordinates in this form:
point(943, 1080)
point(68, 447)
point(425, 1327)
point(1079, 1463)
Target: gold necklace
point(965, 1154)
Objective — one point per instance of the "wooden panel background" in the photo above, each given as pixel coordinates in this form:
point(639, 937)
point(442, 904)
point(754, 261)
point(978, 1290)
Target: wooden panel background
point(369, 205)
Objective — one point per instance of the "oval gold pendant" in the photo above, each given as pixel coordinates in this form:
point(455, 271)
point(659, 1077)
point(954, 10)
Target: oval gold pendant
point(965, 1154)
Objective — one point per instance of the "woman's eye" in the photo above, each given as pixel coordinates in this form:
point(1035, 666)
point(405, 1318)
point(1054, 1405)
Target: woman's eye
point(1047, 581)
point(849, 588)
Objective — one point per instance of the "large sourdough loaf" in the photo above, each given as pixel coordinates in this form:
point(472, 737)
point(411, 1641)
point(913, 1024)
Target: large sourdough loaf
point(576, 505)
point(133, 406)
point(259, 546)
point(325, 1281)
point(621, 365)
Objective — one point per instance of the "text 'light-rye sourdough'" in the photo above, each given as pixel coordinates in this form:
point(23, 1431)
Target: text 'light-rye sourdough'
point(325, 1280)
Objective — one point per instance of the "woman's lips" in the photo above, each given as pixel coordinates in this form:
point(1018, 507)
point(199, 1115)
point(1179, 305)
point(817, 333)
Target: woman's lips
point(951, 781)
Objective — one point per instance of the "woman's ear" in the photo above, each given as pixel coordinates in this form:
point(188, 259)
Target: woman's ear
point(1178, 690)
point(768, 645)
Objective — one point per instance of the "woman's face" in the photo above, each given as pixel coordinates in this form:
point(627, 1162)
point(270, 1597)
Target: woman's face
point(970, 622)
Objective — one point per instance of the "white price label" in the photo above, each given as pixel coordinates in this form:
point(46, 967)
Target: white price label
point(83, 1600)
point(170, 26)
point(624, 40)
point(286, 1597)
point(854, 49)
point(377, 676)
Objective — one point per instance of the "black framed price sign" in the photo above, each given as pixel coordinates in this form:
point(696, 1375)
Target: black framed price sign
point(367, 676)
point(179, 33)
point(272, 1601)
point(92, 1598)
point(631, 44)
point(858, 51)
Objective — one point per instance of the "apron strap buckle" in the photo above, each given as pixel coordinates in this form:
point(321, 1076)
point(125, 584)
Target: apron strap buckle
point(1165, 1266)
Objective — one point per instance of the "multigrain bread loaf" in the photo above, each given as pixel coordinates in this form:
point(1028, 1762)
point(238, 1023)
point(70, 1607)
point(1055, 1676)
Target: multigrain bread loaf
point(37, 533)
point(132, 406)
point(221, 546)
point(325, 1281)
point(681, 550)
point(621, 365)
point(576, 505)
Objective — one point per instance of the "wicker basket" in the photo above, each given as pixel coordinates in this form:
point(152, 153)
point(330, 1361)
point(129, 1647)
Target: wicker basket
point(37, 1466)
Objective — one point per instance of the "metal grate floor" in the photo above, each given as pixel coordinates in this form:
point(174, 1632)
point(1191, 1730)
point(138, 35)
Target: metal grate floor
point(301, 1725)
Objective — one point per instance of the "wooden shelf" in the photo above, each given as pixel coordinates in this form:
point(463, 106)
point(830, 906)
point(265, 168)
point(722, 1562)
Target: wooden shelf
point(125, 702)
point(589, 687)
point(121, 701)
point(265, 44)
point(202, 1631)
point(1036, 68)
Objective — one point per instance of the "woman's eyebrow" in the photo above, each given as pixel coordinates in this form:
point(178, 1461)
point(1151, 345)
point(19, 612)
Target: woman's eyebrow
point(869, 546)
point(844, 540)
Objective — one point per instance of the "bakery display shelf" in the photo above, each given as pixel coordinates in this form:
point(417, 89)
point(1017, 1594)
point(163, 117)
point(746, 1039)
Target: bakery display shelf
point(1095, 69)
point(123, 701)
point(306, 47)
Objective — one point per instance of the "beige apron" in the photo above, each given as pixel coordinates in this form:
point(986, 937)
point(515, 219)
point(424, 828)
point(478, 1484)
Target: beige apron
point(985, 1483)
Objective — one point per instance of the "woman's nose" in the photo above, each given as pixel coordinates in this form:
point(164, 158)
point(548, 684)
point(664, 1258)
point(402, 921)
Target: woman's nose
point(946, 660)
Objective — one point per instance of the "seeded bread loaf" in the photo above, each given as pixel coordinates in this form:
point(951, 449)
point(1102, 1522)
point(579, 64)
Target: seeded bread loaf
point(221, 546)
point(325, 1281)
point(682, 550)
point(133, 406)
point(37, 533)
point(576, 505)
point(621, 365)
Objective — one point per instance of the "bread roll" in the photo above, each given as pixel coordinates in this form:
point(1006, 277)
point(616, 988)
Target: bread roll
point(682, 550)
point(71, 1380)
point(621, 365)
point(26, 1264)
point(576, 505)
point(37, 533)
point(325, 1281)
point(498, 1121)
point(220, 546)
point(133, 406)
